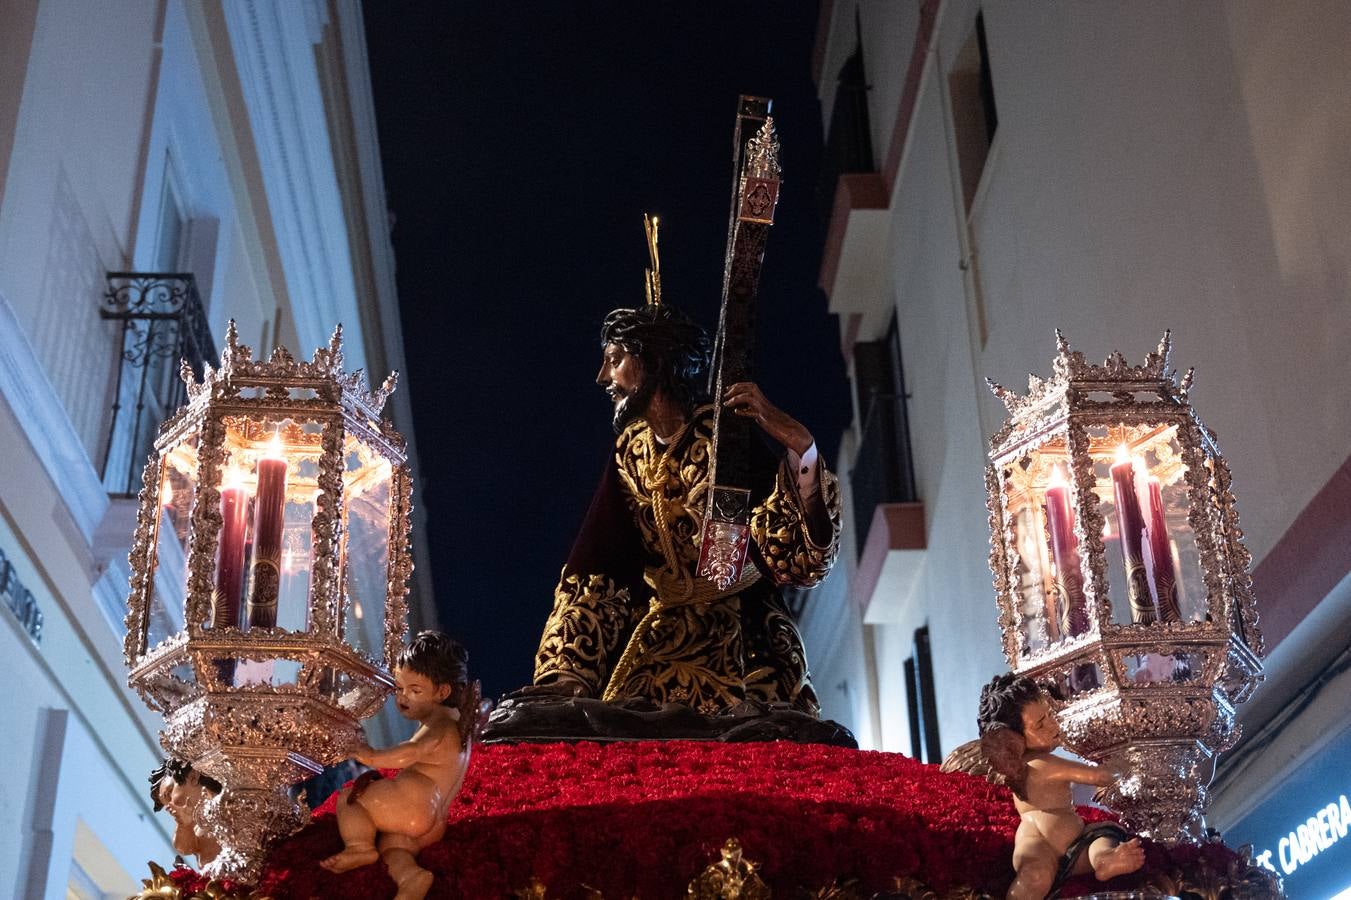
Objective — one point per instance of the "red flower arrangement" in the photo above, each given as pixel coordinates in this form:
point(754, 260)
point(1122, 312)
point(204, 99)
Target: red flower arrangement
point(643, 819)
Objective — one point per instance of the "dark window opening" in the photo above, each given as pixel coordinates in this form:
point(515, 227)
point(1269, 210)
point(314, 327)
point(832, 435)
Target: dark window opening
point(974, 116)
point(883, 470)
point(928, 701)
point(912, 709)
point(849, 145)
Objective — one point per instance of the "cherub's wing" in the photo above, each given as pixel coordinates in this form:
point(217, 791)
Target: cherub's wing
point(997, 757)
point(970, 759)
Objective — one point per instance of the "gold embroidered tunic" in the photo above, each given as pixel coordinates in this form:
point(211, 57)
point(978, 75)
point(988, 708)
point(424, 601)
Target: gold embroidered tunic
point(631, 619)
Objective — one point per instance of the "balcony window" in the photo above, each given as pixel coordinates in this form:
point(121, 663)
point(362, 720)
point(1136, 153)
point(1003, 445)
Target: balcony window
point(162, 323)
point(849, 146)
point(883, 470)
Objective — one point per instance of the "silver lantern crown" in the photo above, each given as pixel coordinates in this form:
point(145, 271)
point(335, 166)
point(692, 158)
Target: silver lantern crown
point(269, 571)
point(1122, 578)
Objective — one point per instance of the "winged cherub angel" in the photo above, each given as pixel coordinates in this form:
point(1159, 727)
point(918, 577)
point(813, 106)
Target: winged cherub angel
point(1018, 732)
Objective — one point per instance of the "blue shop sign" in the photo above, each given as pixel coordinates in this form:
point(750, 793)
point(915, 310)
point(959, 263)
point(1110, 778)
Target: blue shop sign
point(1303, 830)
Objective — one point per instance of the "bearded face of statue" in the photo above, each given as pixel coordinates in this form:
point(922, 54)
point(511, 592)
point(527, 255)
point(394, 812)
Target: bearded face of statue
point(628, 385)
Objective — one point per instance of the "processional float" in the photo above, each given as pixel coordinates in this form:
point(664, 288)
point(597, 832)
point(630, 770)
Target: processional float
point(275, 514)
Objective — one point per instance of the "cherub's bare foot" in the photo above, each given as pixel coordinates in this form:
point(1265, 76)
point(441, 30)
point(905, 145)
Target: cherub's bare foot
point(351, 858)
point(1119, 860)
point(415, 886)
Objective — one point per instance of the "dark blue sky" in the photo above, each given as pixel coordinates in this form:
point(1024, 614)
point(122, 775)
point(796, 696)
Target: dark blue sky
point(521, 144)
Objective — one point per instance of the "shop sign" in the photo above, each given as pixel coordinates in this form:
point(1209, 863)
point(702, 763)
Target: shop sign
point(1302, 831)
point(20, 601)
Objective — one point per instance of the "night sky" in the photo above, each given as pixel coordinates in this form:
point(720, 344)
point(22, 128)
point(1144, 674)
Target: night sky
point(521, 144)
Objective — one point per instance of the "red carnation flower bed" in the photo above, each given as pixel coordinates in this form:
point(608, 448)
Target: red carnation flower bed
point(643, 819)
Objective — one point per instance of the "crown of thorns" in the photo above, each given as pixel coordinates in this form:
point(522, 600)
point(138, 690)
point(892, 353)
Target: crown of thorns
point(660, 332)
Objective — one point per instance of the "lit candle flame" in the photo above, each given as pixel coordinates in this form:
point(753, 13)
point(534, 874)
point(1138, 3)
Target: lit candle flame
point(356, 610)
point(1123, 454)
point(1057, 477)
point(168, 494)
point(234, 478)
point(274, 447)
point(288, 563)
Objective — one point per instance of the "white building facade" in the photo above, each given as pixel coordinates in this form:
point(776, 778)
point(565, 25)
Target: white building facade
point(1112, 170)
point(232, 141)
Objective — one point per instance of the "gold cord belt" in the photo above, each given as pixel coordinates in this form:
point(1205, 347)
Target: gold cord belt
point(697, 590)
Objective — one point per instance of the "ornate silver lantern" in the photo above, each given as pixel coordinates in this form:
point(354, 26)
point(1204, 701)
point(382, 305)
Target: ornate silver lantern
point(1122, 579)
point(269, 568)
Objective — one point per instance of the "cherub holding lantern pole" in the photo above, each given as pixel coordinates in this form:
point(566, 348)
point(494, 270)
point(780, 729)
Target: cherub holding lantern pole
point(392, 819)
point(1018, 732)
point(181, 789)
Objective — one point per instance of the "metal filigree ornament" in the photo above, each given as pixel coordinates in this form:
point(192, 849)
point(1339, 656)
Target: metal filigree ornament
point(1122, 578)
point(731, 878)
point(269, 571)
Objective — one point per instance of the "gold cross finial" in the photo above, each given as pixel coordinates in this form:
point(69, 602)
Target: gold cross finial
point(650, 225)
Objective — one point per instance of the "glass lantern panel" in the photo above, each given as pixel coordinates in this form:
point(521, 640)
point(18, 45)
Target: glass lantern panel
point(173, 688)
point(265, 672)
point(169, 563)
point(268, 485)
point(1163, 668)
point(1048, 584)
point(351, 694)
point(367, 480)
point(1153, 567)
point(1080, 678)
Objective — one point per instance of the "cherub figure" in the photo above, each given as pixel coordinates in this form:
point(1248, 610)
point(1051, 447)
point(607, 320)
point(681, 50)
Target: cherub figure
point(1018, 731)
point(181, 789)
point(393, 819)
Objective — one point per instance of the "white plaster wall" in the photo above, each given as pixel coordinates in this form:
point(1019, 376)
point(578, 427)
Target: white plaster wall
point(1129, 196)
point(70, 191)
point(27, 691)
point(834, 636)
point(1292, 71)
point(77, 668)
point(273, 48)
point(183, 138)
point(245, 304)
point(836, 658)
point(105, 108)
point(888, 30)
point(1157, 165)
point(954, 587)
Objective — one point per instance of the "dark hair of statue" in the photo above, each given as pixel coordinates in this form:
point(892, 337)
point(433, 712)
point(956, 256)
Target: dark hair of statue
point(1000, 723)
point(673, 349)
point(443, 660)
point(1002, 702)
point(179, 771)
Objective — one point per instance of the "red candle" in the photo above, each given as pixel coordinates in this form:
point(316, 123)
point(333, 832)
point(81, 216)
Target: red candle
point(269, 509)
point(1131, 525)
point(1069, 584)
point(1161, 557)
point(234, 507)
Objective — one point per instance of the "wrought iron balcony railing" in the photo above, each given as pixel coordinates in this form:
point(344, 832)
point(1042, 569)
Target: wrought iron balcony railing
point(163, 321)
point(883, 468)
